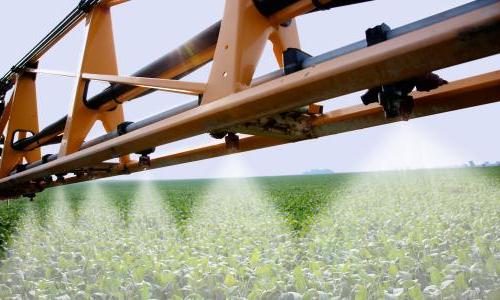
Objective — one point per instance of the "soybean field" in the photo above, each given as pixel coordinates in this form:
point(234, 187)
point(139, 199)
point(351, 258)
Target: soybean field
point(427, 234)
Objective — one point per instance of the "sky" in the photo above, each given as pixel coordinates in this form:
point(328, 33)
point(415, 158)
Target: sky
point(147, 29)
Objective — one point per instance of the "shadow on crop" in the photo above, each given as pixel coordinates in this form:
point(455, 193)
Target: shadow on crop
point(301, 199)
point(118, 194)
point(11, 214)
point(75, 200)
point(42, 208)
point(180, 200)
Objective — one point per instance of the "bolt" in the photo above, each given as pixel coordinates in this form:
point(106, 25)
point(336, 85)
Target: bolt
point(232, 141)
point(144, 160)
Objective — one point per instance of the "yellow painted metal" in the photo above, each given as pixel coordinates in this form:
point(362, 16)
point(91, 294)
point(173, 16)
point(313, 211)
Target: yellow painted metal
point(468, 92)
point(98, 57)
point(352, 72)
point(284, 38)
point(191, 63)
point(5, 116)
point(50, 72)
point(168, 85)
point(243, 35)
point(242, 38)
point(23, 119)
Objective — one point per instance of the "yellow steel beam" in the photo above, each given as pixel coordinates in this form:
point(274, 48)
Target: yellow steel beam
point(459, 39)
point(98, 56)
point(4, 119)
point(175, 86)
point(469, 92)
point(50, 72)
point(23, 119)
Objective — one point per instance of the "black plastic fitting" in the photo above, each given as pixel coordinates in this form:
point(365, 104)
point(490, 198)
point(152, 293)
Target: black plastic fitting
point(45, 158)
point(429, 82)
point(395, 98)
point(86, 5)
point(145, 160)
point(147, 151)
point(218, 135)
point(60, 176)
point(21, 168)
point(121, 129)
point(377, 34)
point(293, 60)
point(232, 141)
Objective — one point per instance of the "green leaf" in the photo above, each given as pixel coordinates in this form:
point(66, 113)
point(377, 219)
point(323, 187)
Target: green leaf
point(393, 270)
point(436, 277)
point(144, 291)
point(230, 281)
point(300, 279)
point(361, 293)
point(415, 293)
point(255, 257)
point(460, 282)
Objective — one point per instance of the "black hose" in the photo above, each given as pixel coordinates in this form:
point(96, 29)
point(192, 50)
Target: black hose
point(269, 7)
point(122, 129)
point(53, 129)
point(209, 38)
point(84, 6)
point(201, 42)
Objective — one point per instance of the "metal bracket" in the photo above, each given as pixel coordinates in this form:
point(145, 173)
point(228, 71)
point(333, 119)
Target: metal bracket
point(289, 125)
point(293, 59)
point(395, 98)
point(121, 129)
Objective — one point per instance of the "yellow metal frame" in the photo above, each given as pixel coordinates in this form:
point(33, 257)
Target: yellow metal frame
point(23, 118)
point(232, 97)
point(243, 35)
point(98, 57)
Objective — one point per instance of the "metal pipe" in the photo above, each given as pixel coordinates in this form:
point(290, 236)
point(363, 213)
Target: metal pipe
point(143, 123)
point(398, 59)
point(208, 38)
point(397, 32)
point(468, 92)
point(53, 36)
point(199, 44)
point(125, 129)
point(394, 33)
point(32, 141)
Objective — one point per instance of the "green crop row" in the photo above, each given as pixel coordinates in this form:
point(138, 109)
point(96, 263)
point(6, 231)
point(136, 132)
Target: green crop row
point(394, 235)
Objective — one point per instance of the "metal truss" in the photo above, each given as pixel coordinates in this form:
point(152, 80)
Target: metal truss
point(275, 109)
